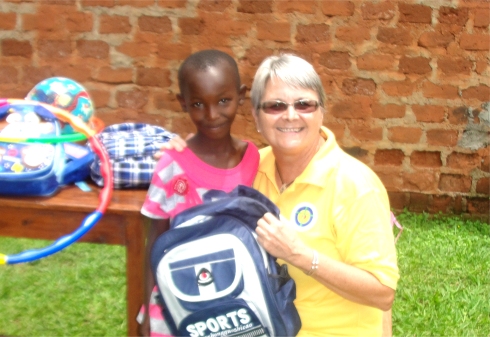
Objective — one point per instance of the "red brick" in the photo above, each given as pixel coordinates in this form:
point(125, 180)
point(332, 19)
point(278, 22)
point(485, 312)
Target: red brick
point(459, 115)
point(398, 200)
point(171, 3)
point(485, 162)
point(93, 49)
point(389, 157)
point(398, 88)
point(79, 22)
point(479, 206)
point(388, 111)
point(475, 41)
point(366, 133)
point(422, 180)
point(414, 13)
point(98, 3)
point(454, 66)
point(376, 62)
point(481, 17)
point(8, 21)
point(54, 49)
point(8, 74)
point(133, 49)
point(278, 31)
point(481, 67)
point(114, 24)
point(349, 110)
point(291, 6)
point(401, 134)
point(312, 33)
point(173, 51)
point(463, 161)
point(435, 39)
point(378, 11)
point(356, 152)
point(100, 98)
point(133, 99)
point(429, 113)
point(430, 159)
point(453, 16)
point(153, 77)
point(155, 24)
point(33, 75)
point(335, 60)
point(441, 204)
point(166, 101)
point(115, 76)
point(254, 6)
point(414, 65)
point(337, 8)
point(419, 202)
point(390, 176)
point(395, 36)
point(256, 54)
point(38, 22)
point(352, 34)
point(441, 137)
point(233, 28)
point(16, 48)
point(80, 73)
point(359, 86)
point(138, 4)
point(454, 183)
point(337, 129)
point(431, 90)
point(481, 93)
point(214, 5)
point(483, 186)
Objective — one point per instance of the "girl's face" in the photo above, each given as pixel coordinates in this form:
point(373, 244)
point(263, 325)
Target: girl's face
point(290, 132)
point(211, 98)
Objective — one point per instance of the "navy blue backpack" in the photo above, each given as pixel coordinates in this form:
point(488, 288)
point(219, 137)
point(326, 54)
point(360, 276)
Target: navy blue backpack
point(213, 276)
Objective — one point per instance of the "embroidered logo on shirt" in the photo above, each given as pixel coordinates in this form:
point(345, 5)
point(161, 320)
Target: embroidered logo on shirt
point(181, 186)
point(304, 216)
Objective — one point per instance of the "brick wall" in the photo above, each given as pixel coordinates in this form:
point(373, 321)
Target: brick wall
point(407, 81)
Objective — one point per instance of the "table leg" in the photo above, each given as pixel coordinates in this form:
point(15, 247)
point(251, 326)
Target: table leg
point(134, 271)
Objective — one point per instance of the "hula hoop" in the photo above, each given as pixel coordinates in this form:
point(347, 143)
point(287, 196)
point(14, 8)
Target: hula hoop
point(104, 196)
point(97, 124)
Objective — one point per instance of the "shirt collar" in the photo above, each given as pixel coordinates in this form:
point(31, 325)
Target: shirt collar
point(318, 167)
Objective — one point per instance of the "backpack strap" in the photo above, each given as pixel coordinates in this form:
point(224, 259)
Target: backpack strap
point(242, 202)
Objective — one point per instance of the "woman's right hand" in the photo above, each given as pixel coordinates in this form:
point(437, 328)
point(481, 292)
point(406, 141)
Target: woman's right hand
point(176, 143)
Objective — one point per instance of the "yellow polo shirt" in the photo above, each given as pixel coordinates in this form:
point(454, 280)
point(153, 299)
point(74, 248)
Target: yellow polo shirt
point(339, 207)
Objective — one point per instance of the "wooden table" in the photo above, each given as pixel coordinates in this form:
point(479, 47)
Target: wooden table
point(52, 217)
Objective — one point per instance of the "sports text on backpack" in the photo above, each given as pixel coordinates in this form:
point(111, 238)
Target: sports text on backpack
point(213, 276)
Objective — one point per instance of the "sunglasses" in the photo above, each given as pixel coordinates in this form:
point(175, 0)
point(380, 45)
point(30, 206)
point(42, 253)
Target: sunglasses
point(301, 106)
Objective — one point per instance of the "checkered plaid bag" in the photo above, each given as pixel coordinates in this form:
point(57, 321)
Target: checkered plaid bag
point(131, 147)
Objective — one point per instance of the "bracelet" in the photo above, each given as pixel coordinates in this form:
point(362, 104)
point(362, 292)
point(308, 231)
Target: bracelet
point(314, 264)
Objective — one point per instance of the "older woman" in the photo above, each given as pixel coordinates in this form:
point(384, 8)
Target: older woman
point(335, 236)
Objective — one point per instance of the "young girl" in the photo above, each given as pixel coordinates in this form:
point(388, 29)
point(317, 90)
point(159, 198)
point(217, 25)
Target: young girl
point(210, 91)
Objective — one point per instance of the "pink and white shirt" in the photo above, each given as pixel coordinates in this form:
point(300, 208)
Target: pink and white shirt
point(181, 178)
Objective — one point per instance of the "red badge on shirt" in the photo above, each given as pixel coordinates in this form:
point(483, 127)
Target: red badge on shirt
point(181, 186)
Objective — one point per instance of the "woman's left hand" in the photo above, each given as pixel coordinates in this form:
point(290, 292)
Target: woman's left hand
point(277, 237)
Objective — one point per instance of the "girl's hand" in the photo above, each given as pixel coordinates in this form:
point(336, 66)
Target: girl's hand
point(178, 144)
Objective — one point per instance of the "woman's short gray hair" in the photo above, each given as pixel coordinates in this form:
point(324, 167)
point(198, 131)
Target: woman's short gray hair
point(290, 69)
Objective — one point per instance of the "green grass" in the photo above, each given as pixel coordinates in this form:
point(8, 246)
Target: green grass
point(80, 291)
point(444, 288)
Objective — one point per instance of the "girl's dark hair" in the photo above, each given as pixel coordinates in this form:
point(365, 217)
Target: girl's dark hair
point(204, 59)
